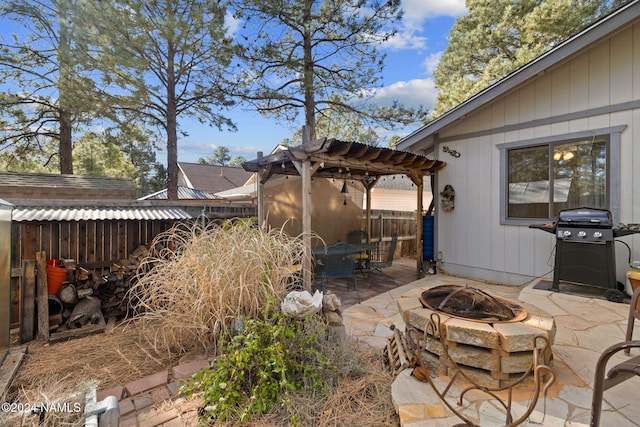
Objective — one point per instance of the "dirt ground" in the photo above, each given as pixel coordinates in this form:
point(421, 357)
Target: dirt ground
point(66, 370)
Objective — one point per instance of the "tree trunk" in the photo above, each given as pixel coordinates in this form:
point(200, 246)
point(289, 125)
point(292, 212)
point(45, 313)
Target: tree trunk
point(309, 92)
point(172, 126)
point(65, 146)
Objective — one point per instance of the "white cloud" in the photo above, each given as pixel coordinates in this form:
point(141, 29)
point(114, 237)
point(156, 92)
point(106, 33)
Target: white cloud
point(414, 93)
point(406, 39)
point(431, 62)
point(416, 11)
point(231, 24)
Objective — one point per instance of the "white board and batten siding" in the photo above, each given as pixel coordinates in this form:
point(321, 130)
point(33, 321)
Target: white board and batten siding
point(472, 239)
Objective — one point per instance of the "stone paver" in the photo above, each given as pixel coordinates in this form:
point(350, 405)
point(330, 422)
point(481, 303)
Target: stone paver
point(117, 391)
point(146, 383)
point(186, 370)
point(126, 406)
point(584, 327)
point(159, 418)
point(567, 404)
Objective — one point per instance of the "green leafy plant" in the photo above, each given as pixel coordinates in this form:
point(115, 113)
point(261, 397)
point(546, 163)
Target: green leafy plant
point(262, 365)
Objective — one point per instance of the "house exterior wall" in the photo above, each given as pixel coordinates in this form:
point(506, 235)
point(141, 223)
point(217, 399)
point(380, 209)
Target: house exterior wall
point(597, 89)
point(397, 200)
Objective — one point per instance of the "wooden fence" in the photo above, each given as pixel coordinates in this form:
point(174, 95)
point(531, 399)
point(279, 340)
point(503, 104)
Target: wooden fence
point(92, 244)
point(384, 224)
point(98, 244)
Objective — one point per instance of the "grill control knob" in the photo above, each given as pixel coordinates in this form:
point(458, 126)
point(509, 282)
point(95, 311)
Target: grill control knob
point(597, 235)
point(566, 233)
point(582, 234)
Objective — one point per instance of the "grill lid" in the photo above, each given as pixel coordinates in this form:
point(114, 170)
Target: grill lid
point(585, 216)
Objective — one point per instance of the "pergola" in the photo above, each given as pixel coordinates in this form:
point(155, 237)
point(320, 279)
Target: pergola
point(331, 158)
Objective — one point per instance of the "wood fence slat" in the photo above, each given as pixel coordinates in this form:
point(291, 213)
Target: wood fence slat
point(42, 297)
point(28, 300)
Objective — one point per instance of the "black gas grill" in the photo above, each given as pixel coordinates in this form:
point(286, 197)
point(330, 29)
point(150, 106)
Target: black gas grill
point(585, 252)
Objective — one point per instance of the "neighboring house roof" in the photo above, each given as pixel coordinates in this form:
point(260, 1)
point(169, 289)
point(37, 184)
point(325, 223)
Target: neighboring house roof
point(245, 192)
point(14, 185)
point(184, 193)
point(419, 140)
point(211, 178)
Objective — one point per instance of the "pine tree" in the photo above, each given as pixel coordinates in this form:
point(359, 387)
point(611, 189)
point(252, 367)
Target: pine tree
point(497, 37)
point(312, 57)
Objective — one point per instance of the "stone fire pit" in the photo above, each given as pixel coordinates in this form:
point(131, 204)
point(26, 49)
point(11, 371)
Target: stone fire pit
point(491, 353)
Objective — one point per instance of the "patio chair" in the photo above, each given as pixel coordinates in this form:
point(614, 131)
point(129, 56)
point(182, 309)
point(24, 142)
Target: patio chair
point(337, 263)
point(386, 262)
point(619, 373)
point(634, 314)
point(359, 236)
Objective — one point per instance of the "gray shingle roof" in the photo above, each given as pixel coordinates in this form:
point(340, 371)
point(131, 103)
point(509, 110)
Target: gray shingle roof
point(15, 179)
point(211, 178)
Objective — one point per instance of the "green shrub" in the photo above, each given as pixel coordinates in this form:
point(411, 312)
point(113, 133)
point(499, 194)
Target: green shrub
point(262, 365)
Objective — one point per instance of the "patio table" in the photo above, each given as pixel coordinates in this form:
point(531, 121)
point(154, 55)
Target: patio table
point(362, 264)
point(358, 247)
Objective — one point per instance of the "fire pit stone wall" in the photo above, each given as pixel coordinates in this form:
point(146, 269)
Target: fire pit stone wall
point(490, 353)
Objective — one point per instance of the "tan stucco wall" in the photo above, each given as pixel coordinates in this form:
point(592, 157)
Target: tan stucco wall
point(330, 218)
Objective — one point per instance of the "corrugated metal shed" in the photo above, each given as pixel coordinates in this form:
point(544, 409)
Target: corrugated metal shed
point(97, 213)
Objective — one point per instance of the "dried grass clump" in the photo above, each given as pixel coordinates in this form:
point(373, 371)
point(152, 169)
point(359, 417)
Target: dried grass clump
point(60, 404)
point(64, 371)
point(188, 294)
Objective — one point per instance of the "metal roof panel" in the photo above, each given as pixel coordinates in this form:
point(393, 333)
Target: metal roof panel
point(97, 214)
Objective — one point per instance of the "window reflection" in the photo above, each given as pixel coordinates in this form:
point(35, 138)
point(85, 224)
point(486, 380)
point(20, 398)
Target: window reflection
point(575, 170)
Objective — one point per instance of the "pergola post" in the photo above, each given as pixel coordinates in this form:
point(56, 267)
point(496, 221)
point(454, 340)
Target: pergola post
point(419, 230)
point(368, 185)
point(260, 195)
point(306, 224)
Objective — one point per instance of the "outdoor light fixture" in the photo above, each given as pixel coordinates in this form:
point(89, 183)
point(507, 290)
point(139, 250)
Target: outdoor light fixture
point(564, 155)
point(345, 191)
point(564, 152)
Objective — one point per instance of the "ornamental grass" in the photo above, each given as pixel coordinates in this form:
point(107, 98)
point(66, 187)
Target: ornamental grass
point(199, 281)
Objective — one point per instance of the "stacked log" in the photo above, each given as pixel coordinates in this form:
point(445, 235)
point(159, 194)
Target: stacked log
point(93, 297)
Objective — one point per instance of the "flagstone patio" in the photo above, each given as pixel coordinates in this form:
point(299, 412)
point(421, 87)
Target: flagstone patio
point(586, 325)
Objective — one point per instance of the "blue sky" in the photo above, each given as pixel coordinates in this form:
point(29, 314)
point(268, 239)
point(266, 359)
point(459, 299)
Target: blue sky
point(411, 58)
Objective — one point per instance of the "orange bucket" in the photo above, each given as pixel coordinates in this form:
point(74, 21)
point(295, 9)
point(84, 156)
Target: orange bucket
point(56, 276)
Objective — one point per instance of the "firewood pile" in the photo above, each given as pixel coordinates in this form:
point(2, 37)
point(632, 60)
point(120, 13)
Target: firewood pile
point(91, 296)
